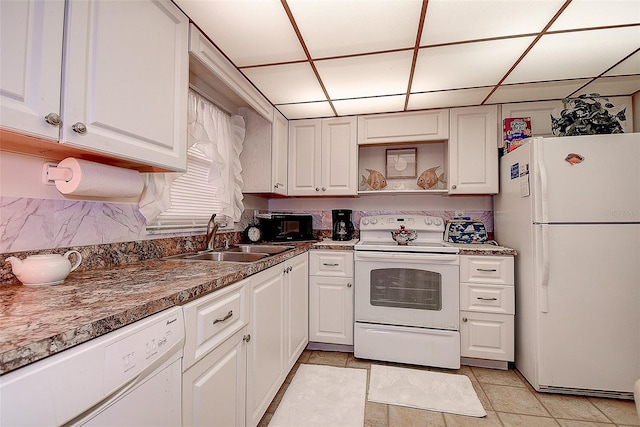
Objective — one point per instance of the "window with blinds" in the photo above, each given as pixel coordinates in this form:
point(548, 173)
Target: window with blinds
point(193, 200)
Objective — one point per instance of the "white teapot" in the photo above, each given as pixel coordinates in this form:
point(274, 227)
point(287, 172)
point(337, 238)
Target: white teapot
point(46, 269)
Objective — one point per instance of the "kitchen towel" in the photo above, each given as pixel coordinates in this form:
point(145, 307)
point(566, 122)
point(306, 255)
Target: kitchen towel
point(433, 391)
point(323, 396)
point(98, 180)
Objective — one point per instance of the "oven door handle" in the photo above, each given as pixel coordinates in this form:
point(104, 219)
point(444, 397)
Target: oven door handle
point(427, 258)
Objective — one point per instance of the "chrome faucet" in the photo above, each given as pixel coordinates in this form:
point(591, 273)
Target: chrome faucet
point(212, 228)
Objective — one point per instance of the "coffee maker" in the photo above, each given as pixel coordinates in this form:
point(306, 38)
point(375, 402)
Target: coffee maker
point(342, 225)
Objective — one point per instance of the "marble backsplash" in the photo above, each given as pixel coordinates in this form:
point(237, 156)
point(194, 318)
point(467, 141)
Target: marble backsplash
point(109, 234)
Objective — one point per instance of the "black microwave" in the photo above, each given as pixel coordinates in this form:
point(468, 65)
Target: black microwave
point(286, 227)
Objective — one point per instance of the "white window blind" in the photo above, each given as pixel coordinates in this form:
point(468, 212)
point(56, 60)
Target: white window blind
point(193, 200)
point(213, 181)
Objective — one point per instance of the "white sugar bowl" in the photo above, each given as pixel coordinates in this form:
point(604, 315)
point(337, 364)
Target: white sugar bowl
point(46, 269)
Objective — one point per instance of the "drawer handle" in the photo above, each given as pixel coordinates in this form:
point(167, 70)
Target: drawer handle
point(222, 319)
point(488, 299)
point(330, 265)
point(487, 269)
point(246, 338)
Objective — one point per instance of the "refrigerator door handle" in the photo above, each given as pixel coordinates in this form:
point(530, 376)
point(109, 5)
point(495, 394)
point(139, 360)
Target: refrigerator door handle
point(542, 173)
point(544, 285)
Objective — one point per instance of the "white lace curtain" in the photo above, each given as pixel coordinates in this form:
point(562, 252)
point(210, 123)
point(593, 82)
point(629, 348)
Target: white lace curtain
point(216, 137)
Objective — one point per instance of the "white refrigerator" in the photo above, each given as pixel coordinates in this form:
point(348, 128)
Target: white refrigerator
point(570, 206)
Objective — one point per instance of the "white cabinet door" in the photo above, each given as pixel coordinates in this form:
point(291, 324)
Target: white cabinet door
point(339, 157)
point(322, 157)
point(403, 127)
point(305, 148)
point(30, 65)
point(297, 312)
point(331, 310)
point(487, 336)
point(279, 152)
point(126, 80)
point(266, 346)
point(214, 388)
point(473, 150)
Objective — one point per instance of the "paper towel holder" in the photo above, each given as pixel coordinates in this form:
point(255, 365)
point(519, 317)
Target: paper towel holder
point(51, 173)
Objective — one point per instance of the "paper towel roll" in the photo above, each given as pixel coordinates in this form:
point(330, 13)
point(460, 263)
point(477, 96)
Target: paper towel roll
point(98, 180)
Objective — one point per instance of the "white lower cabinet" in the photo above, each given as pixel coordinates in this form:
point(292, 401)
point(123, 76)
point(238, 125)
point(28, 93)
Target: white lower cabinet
point(241, 342)
point(214, 389)
point(215, 358)
point(487, 309)
point(331, 297)
point(278, 331)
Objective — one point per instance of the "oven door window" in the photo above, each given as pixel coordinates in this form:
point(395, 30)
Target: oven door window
point(406, 288)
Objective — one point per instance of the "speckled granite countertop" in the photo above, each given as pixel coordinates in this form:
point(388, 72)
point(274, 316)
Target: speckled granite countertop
point(344, 245)
point(36, 322)
point(484, 249)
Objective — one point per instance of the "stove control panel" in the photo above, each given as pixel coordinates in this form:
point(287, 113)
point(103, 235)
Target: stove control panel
point(393, 222)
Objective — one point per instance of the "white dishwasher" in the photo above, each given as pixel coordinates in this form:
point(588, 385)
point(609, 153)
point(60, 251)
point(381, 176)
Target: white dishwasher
point(128, 377)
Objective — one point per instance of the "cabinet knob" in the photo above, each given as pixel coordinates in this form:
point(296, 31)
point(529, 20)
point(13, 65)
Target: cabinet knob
point(246, 338)
point(324, 188)
point(79, 128)
point(349, 285)
point(464, 319)
point(317, 189)
point(453, 187)
point(276, 186)
point(53, 119)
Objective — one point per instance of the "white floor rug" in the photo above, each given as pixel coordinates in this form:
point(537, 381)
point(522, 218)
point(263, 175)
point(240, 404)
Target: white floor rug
point(433, 391)
point(324, 396)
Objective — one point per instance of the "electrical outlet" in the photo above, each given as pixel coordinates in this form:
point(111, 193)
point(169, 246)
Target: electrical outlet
point(459, 213)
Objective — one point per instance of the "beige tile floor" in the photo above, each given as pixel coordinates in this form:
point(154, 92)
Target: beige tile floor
point(506, 396)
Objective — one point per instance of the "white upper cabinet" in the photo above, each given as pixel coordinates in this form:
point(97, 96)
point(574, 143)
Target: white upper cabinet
point(473, 150)
point(116, 86)
point(31, 66)
point(405, 127)
point(280, 148)
point(126, 80)
point(322, 157)
point(264, 153)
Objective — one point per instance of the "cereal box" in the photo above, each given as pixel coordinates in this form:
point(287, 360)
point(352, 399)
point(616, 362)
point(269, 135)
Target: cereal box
point(514, 130)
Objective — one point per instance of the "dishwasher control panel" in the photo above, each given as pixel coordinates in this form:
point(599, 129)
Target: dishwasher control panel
point(142, 348)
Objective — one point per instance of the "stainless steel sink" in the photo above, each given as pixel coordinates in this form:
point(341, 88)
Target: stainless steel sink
point(262, 249)
point(241, 253)
point(226, 256)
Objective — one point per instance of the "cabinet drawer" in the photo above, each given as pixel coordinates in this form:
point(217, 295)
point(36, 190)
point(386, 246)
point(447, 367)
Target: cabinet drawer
point(487, 298)
point(331, 263)
point(210, 320)
point(486, 269)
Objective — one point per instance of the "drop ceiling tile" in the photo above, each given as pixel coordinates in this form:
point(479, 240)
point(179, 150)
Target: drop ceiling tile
point(575, 55)
point(369, 75)
point(338, 27)
point(613, 86)
point(447, 98)
point(597, 13)
point(308, 110)
point(535, 91)
point(629, 66)
point(249, 32)
point(380, 104)
point(450, 21)
point(466, 65)
point(287, 83)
